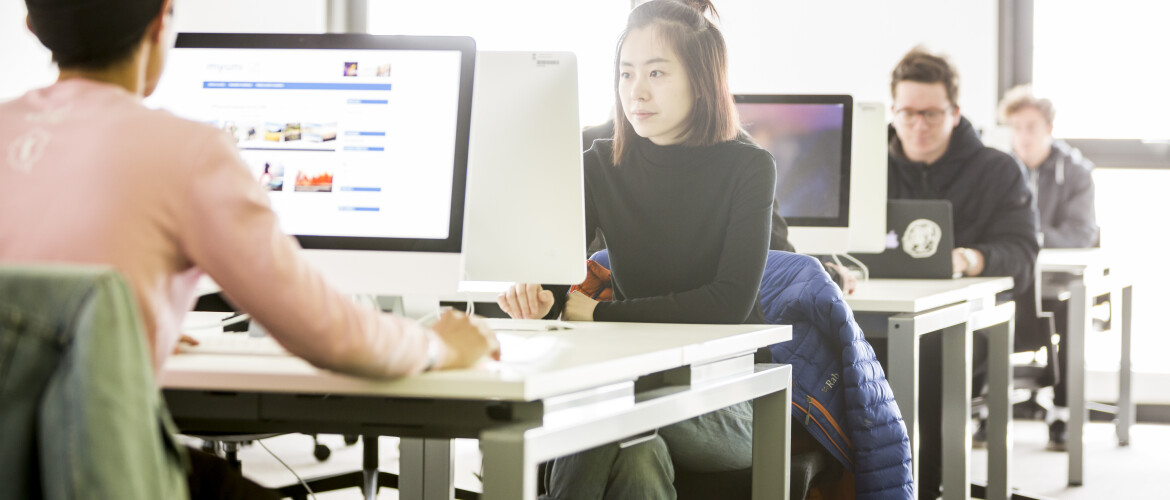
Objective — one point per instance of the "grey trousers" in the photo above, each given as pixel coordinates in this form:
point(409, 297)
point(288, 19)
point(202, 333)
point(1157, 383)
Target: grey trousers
point(716, 441)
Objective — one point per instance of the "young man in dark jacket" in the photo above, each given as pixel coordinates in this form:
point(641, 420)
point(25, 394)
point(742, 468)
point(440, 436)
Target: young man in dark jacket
point(1062, 181)
point(935, 153)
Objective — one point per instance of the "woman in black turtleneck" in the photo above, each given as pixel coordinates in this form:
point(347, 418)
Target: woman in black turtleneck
point(685, 211)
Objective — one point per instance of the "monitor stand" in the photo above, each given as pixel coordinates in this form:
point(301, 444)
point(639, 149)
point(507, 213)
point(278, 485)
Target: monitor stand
point(424, 308)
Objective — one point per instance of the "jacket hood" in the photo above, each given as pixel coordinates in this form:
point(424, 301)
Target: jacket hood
point(964, 144)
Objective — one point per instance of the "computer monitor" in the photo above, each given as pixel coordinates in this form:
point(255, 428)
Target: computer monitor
point(361, 141)
point(525, 195)
point(867, 188)
point(810, 136)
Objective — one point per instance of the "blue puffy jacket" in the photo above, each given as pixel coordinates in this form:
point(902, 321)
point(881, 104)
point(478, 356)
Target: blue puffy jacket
point(839, 391)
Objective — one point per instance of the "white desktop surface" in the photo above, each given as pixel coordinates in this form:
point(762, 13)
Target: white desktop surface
point(912, 296)
point(589, 355)
point(1072, 260)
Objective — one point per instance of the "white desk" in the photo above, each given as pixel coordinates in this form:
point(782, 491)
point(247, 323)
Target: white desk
point(1090, 277)
point(902, 311)
point(566, 392)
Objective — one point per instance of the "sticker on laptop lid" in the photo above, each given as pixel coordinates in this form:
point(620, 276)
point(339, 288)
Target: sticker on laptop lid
point(921, 238)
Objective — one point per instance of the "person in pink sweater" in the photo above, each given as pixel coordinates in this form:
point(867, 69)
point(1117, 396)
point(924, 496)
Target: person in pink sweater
point(90, 175)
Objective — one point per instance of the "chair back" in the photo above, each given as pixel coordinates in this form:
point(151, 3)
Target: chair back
point(80, 413)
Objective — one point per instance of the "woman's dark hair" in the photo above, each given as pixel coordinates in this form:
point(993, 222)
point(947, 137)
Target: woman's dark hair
point(703, 52)
point(91, 34)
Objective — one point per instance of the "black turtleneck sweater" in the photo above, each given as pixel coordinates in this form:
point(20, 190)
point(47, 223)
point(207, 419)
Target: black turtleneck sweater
point(992, 205)
point(687, 230)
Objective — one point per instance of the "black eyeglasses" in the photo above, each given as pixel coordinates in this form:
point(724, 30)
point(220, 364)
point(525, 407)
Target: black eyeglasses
point(932, 116)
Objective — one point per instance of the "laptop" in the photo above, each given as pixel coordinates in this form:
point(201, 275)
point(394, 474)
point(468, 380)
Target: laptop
point(919, 240)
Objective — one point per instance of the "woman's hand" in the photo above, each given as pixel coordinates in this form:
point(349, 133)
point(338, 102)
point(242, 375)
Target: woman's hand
point(526, 301)
point(579, 307)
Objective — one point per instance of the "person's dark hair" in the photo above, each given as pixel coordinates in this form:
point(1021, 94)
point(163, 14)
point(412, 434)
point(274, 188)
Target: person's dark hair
point(703, 52)
point(921, 66)
point(91, 34)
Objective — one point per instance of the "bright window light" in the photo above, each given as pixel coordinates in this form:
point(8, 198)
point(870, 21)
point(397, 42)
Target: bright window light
point(589, 29)
point(1104, 67)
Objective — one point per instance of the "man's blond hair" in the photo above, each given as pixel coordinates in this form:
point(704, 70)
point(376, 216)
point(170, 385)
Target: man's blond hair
point(1020, 97)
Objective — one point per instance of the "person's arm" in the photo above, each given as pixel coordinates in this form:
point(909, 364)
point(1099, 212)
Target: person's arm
point(779, 231)
point(1010, 246)
point(1077, 226)
point(229, 231)
point(731, 294)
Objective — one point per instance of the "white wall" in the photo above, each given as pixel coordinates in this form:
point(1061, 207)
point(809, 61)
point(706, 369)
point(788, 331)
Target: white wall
point(251, 16)
point(26, 64)
point(851, 46)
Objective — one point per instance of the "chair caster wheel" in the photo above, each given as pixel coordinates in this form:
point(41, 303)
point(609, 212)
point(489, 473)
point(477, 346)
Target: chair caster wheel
point(321, 452)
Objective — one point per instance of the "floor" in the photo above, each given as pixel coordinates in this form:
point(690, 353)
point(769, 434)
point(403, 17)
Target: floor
point(1141, 470)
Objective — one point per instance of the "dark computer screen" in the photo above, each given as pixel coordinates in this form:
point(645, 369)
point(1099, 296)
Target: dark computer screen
point(809, 136)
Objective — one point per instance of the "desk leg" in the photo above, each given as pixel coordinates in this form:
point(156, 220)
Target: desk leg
point(956, 411)
point(508, 470)
point(771, 445)
point(1079, 323)
point(426, 469)
point(903, 350)
point(1125, 404)
point(999, 404)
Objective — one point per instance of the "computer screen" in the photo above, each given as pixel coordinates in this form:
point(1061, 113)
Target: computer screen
point(360, 140)
point(810, 138)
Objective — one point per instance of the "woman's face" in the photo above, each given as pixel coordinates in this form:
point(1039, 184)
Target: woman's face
point(653, 87)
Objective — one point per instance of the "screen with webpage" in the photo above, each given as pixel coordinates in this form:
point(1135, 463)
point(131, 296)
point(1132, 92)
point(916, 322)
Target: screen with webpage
point(805, 140)
point(356, 143)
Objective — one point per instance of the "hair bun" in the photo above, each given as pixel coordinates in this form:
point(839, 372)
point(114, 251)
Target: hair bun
point(703, 6)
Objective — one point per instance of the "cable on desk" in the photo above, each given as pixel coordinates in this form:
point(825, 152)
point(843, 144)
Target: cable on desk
point(290, 469)
point(862, 267)
point(231, 320)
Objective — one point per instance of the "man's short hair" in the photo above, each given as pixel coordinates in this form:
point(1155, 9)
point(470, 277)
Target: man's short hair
point(921, 66)
point(1020, 97)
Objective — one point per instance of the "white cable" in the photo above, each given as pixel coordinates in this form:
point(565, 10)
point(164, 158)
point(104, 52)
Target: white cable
point(860, 265)
point(219, 324)
point(290, 469)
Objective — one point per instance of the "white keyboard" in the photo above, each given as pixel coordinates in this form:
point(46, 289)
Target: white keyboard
point(234, 343)
point(528, 325)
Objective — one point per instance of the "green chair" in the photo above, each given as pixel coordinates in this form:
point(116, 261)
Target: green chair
point(80, 413)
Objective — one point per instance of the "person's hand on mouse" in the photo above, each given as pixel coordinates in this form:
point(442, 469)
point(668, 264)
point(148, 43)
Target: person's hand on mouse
point(466, 340)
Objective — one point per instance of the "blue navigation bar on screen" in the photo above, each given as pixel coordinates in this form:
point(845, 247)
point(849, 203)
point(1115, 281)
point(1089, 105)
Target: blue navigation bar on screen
point(295, 86)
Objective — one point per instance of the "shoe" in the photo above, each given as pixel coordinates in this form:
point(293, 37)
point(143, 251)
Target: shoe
point(979, 438)
point(1057, 436)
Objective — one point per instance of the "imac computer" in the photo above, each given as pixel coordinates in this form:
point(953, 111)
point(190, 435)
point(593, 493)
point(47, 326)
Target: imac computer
point(810, 137)
point(360, 140)
point(830, 167)
point(867, 191)
point(525, 194)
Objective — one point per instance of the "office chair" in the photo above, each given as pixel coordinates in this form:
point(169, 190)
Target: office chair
point(80, 413)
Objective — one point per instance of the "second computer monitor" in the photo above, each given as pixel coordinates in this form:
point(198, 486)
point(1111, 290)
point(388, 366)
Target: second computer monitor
point(525, 196)
point(810, 138)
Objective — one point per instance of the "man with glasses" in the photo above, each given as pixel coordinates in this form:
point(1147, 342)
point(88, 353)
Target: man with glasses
point(935, 153)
